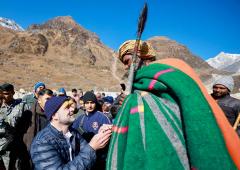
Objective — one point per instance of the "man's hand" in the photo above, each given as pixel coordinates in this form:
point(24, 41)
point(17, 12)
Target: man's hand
point(121, 99)
point(101, 139)
point(104, 128)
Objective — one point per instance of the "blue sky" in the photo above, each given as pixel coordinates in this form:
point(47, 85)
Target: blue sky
point(206, 27)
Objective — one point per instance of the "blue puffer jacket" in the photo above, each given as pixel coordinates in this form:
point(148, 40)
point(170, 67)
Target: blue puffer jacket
point(50, 150)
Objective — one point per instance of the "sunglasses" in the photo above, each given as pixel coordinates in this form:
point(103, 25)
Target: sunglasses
point(69, 102)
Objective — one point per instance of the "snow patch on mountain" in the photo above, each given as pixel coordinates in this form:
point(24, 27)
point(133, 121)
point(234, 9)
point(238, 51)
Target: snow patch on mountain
point(223, 60)
point(8, 23)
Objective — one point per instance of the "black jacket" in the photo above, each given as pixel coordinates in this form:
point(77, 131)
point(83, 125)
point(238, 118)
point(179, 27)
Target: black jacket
point(231, 107)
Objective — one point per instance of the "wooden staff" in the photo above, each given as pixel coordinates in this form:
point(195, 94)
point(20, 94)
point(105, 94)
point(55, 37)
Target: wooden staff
point(141, 25)
point(236, 122)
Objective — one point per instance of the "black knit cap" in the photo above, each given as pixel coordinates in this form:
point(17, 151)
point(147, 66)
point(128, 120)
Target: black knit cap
point(7, 87)
point(89, 96)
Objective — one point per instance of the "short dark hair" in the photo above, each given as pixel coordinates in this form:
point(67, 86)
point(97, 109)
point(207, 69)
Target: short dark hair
point(45, 91)
point(7, 87)
point(74, 90)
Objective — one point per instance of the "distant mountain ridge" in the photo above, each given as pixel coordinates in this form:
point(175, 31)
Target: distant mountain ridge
point(58, 52)
point(226, 61)
point(227, 64)
point(62, 53)
point(8, 23)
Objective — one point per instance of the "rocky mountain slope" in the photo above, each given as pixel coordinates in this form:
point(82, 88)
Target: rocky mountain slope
point(62, 53)
point(167, 48)
point(59, 52)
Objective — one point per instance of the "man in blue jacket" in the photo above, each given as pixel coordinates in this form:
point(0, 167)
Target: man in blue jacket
point(93, 119)
point(90, 123)
point(59, 147)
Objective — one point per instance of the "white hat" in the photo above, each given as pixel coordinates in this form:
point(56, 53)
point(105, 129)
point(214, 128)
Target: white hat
point(22, 91)
point(227, 81)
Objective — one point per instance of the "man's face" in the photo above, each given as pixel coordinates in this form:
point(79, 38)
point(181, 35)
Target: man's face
point(43, 99)
point(38, 90)
point(98, 96)
point(127, 60)
point(106, 107)
point(7, 96)
point(80, 93)
point(66, 113)
point(74, 93)
point(81, 103)
point(90, 106)
point(220, 90)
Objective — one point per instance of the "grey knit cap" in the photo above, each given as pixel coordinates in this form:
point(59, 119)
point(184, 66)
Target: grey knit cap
point(227, 81)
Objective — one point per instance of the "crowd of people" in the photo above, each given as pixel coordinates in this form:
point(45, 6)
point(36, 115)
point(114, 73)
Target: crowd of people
point(23, 119)
point(167, 115)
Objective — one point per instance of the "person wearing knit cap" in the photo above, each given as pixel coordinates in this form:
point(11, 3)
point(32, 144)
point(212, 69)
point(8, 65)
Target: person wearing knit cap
point(222, 88)
point(90, 123)
point(30, 99)
point(62, 92)
point(226, 81)
point(93, 119)
point(39, 86)
point(58, 146)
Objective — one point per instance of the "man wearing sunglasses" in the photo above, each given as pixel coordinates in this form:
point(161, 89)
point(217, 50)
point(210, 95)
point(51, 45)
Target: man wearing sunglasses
point(58, 146)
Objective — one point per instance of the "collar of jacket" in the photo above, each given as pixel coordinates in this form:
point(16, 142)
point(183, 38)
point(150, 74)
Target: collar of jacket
point(57, 132)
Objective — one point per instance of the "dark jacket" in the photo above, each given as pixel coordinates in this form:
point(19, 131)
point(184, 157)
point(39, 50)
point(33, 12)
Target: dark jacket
point(50, 150)
point(115, 107)
point(91, 122)
point(89, 125)
point(38, 122)
point(231, 107)
point(15, 122)
point(30, 99)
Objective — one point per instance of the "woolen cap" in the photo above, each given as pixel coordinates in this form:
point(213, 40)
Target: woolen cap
point(226, 81)
point(38, 84)
point(62, 91)
point(89, 96)
point(53, 104)
point(7, 87)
